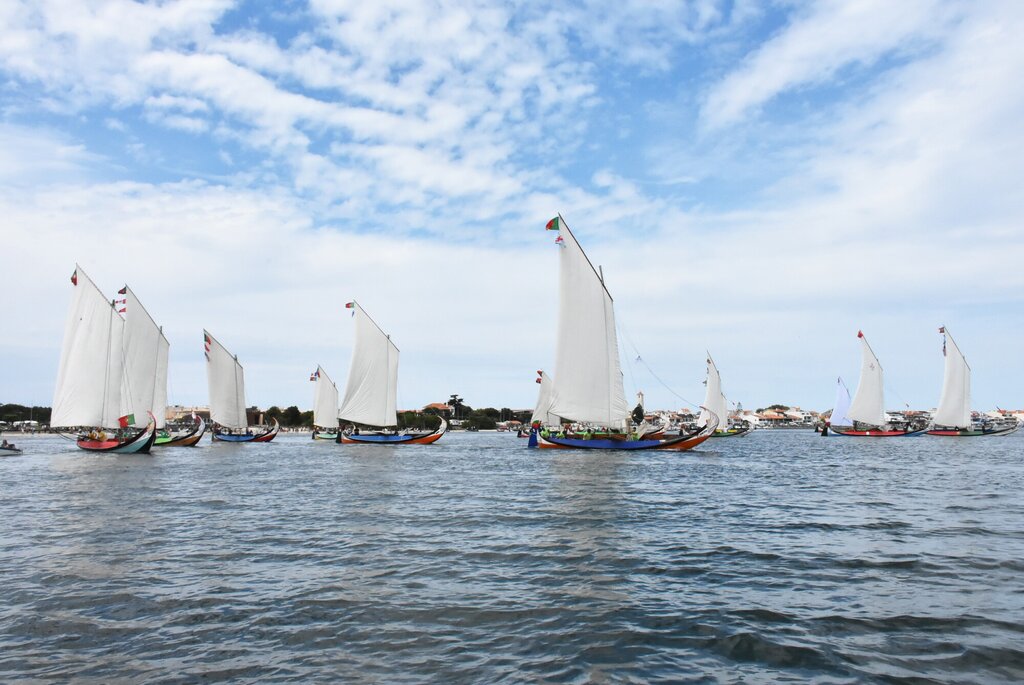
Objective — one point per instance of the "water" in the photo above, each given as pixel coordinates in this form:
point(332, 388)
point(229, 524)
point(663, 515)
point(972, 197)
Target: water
point(777, 557)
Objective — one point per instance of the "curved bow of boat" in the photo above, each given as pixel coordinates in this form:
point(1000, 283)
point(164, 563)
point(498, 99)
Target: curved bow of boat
point(397, 439)
point(137, 444)
point(678, 443)
point(967, 433)
point(187, 439)
point(877, 433)
point(265, 436)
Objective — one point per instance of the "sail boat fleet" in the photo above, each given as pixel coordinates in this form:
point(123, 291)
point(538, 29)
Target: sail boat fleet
point(111, 390)
point(865, 415)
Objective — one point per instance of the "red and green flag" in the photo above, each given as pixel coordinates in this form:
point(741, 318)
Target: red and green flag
point(553, 225)
point(74, 277)
point(126, 420)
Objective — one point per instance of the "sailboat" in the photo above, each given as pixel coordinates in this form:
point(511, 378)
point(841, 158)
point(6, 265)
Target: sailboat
point(92, 394)
point(587, 385)
point(866, 411)
point(370, 394)
point(227, 397)
point(325, 406)
point(953, 417)
point(840, 407)
point(146, 351)
point(715, 403)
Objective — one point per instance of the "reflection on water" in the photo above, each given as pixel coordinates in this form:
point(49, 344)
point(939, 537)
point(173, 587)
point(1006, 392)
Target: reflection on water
point(773, 557)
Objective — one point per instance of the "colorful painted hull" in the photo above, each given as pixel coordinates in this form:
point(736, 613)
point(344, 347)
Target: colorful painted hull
point(266, 436)
point(734, 433)
point(325, 436)
point(678, 443)
point(965, 433)
point(138, 444)
point(371, 439)
point(183, 439)
point(876, 433)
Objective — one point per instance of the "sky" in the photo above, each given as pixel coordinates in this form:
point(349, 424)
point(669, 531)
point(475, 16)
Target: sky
point(758, 180)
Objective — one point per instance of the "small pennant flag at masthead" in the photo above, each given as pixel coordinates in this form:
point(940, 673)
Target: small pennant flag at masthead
point(553, 225)
point(74, 277)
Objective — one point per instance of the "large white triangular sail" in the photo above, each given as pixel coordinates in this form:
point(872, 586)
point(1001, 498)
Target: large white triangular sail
point(955, 404)
point(370, 394)
point(88, 390)
point(714, 400)
point(542, 413)
point(145, 363)
point(868, 405)
point(587, 385)
point(227, 385)
point(325, 401)
point(841, 407)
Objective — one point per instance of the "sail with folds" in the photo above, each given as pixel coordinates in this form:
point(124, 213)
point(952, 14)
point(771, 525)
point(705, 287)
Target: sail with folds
point(145, 363)
point(714, 400)
point(955, 404)
point(227, 385)
point(370, 394)
point(325, 400)
point(868, 405)
point(542, 413)
point(89, 378)
point(587, 386)
point(841, 407)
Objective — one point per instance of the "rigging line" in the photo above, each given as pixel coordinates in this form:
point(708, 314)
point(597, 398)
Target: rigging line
point(640, 359)
point(898, 396)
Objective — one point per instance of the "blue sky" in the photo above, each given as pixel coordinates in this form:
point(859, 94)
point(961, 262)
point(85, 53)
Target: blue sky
point(758, 179)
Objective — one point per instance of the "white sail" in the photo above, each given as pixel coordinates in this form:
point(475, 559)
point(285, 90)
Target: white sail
point(325, 401)
point(145, 363)
point(541, 412)
point(588, 377)
point(160, 388)
point(714, 400)
point(955, 404)
point(227, 385)
point(88, 391)
point(370, 394)
point(868, 405)
point(841, 407)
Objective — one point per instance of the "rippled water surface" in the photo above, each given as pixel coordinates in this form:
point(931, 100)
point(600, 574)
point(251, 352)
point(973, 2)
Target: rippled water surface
point(777, 557)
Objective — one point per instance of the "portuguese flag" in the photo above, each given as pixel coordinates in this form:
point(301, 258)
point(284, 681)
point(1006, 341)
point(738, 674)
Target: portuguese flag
point(553, 225)
point(126, 421)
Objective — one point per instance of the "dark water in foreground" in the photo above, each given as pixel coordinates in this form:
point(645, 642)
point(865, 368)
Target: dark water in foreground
point(778, 557)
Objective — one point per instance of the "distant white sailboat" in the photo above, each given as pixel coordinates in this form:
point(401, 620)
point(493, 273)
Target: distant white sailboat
point(868, 405)
point(542, 415)
point(372, 388)
point(325, 406)
point(226, 381)
point(90, 397)
point(716, 403)
point(952, 418)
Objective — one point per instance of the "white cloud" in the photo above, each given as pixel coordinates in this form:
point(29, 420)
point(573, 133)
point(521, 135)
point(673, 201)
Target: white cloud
point(831, 35)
